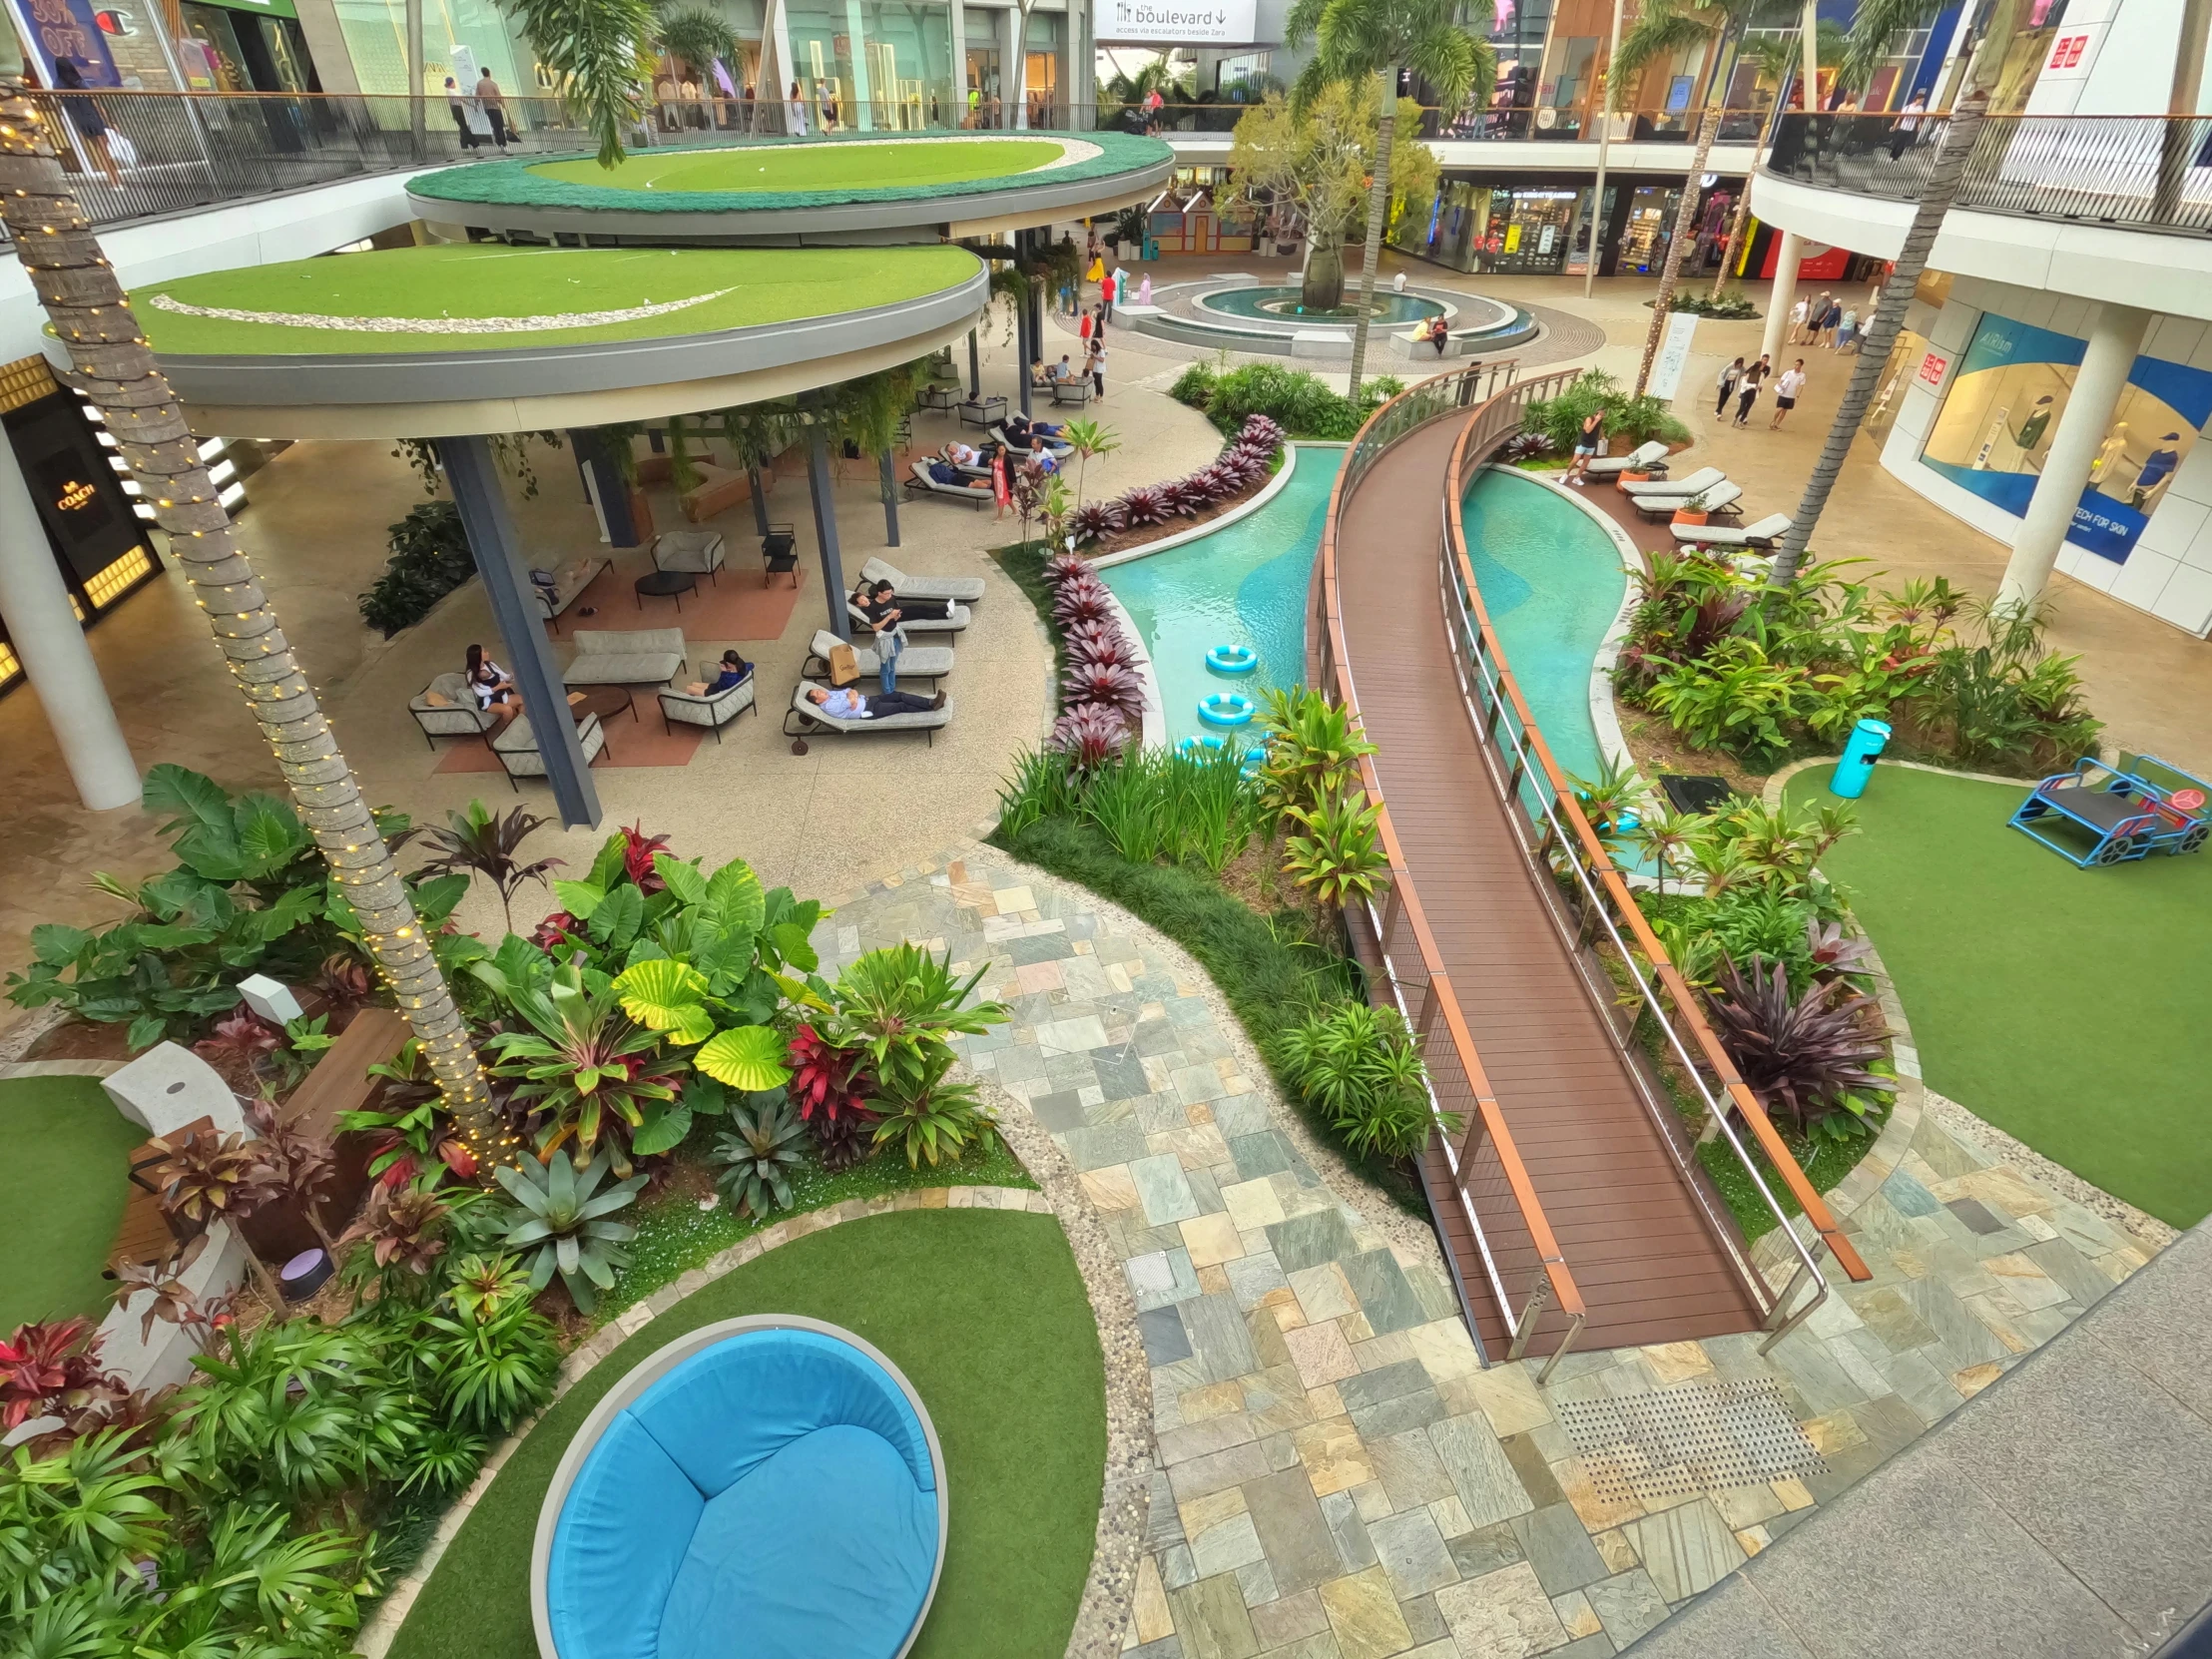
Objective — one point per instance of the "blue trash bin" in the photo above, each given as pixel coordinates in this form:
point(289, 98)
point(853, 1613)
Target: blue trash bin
point(1857, 764)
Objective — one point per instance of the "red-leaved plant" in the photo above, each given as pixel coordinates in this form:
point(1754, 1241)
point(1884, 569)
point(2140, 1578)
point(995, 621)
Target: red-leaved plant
point(1810, 1056)
point(1089, 736)
point(1098, 642)
point(830, 1088)
point(1145, 505)
point(1092, 520)
point(1084, 600)
point(1062, 567)
point(52, 1370)
point(637, 857)
point(1105, 685)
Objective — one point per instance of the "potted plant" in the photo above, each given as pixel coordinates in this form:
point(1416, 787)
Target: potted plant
point(1693, 511)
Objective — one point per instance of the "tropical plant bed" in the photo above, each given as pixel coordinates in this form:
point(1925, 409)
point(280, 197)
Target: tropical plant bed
point(1132, 538)
point(1728, 308)
point(984, 1312)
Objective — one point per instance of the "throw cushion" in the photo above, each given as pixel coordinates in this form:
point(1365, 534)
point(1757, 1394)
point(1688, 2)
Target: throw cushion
point(437, 700)
point(826, 1548)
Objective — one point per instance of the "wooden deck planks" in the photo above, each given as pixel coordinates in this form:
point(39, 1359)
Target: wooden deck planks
point(1641, 1248)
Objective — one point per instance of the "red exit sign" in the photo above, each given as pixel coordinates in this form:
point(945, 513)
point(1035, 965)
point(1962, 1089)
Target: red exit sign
point(1932, 370)
point(2065, 52)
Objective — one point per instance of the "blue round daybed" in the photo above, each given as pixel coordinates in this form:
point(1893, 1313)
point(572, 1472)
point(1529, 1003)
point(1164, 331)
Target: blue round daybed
point(767, 1488)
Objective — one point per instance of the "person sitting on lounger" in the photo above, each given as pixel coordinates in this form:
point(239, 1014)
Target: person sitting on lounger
point(733, 671)
point(845, 702)
point(888, 608)
point(962, 455)
point(944, 472)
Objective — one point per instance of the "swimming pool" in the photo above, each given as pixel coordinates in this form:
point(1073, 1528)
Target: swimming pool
point(1553, 582)
point(1244, 584)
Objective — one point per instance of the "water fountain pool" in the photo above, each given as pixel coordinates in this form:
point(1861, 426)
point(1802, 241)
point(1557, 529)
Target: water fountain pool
point(1242, 313)
point(1285, 302)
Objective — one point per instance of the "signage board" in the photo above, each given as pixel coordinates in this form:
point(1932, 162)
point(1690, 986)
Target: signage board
point(1182, 22)
point(1666, 373)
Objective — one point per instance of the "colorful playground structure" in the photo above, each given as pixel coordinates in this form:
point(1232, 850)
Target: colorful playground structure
point(2113, 814)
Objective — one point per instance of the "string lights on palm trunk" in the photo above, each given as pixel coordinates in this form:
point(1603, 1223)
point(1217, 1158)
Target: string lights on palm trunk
point(116, 369)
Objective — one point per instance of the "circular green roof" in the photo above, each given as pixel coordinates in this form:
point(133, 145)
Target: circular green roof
point(766, 174)
point(861, 169)
point(474, 298)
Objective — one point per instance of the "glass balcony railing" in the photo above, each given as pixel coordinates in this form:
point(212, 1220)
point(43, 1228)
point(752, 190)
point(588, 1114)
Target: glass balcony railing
point(2129, 172)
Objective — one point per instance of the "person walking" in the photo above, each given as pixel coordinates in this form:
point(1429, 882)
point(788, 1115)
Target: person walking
point(1106, 290)
point(1097, 271)
point(1727, 383)
point(1786, 388)
point(495, 110)
point(459, 106)
point(1083, 328)
point(1906, 132)
point(1096, 364)
point(1847, 334)
point(1831, 319)
point(1797, 317)
point(84, 114)
point(1812, 321)
point(1747, 392)
point(795, 113)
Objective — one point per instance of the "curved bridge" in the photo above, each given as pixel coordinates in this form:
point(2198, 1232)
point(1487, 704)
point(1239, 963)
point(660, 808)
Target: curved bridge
point(1569, 1193)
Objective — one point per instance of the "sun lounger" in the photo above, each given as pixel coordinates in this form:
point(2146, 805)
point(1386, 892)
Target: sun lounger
point(975, 495)
point(1718, 499)
point(967, 589)
point(1058, 451)
point(917, 661)
point(1703, 480)
point(1649, 457)
point(952, 622)
point(1765, 533)
point(806, 719)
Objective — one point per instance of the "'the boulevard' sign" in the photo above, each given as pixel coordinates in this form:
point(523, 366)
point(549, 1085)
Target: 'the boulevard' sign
point(1199, 22)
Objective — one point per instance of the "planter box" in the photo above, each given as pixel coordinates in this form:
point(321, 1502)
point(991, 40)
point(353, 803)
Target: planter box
point(1681, 517)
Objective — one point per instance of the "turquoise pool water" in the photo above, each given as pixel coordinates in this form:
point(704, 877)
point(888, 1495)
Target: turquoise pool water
point(1553, 583)
point(1242, 585)
point(1284, 303)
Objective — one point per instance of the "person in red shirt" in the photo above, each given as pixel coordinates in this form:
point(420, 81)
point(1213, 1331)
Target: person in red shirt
point(1106, 294)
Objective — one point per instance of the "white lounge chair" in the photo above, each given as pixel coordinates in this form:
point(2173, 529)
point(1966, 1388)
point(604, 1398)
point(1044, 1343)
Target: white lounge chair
point(1765, 533)
point(1058, 451)
point(967, 589)
point(977, 495)
point(806, 719)
point(952, 622)
point(1703, 480)
point(1717, 499)
point(1647, 457)
point(917, 661)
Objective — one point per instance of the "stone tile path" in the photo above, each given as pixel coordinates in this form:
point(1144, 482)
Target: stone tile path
point(1336, 1475)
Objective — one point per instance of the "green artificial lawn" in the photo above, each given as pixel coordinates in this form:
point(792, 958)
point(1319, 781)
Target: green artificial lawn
point(2066, 1006)
point(811, 167)
point(62, 1185)
point(823, 171)
point(750, 286)
point(985, 1313)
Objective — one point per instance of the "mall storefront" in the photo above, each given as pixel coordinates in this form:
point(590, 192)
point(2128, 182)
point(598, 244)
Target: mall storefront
point(1541, 228)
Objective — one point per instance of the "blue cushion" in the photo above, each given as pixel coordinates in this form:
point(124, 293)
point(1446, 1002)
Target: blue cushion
point(627, 1521)
point(728, 1408)
point(825, 1548)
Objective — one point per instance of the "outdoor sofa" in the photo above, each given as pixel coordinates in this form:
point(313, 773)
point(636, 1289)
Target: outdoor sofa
point(701, 552)
point(626, 657)
point(570, 580)
point(713, 710)
point(454, 713)
point(517, 747)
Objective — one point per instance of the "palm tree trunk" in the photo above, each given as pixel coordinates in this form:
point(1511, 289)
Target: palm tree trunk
point(1734, 240)
point(1685, 219)
point(1378, 207)
point(1951, 154)
point(116, 370)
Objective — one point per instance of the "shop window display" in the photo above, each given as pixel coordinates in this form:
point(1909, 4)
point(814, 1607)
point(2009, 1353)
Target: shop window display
point(2002, 410)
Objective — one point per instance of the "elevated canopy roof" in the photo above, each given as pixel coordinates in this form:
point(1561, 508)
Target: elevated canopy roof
point(837, 188)
point(467, 339)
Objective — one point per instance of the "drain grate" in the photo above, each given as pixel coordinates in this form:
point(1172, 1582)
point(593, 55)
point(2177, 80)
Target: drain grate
point(1699, 1437)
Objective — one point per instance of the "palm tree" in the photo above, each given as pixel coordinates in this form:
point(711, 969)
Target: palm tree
point(116, 370)
point(1379, 40)
point(1775, 56)
point(1876, 22)
point(598, 53)
point(1665, 28)
point(698, 37)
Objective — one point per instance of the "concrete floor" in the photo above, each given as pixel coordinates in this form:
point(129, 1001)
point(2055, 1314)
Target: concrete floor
point(847, 811)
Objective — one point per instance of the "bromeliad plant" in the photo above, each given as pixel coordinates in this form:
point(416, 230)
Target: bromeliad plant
point(586, 1070)
point(897, 1007)
point(561, 1224)
point(758, 1153)
point(927, 1113)
point(1811, 1054)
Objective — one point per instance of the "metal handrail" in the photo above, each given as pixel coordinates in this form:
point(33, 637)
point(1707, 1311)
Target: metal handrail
point(1606, 895)
point(2131, 172)
point(1450, 1057)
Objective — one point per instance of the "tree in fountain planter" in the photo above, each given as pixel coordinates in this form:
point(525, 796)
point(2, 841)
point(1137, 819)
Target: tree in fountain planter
point(1374, 42)
point(1315, 159)
point(116, 369)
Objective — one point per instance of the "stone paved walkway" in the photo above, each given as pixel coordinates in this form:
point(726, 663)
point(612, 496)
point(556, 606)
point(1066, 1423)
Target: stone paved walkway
point(1337, 1476)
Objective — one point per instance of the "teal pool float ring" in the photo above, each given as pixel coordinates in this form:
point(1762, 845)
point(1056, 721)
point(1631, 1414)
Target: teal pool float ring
point(1194, 748)
point(1232, 658)
point(1227, 709)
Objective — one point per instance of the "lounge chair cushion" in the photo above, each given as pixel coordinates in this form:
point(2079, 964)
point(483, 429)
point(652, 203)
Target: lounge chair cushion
point(1703, 480)
point(920, 721)
point(979, 491)
point(1767, 530)
point(967, 588)
point(1719, 498)
point(457, 715)
point(1643, 457)
point(924, 662)
point(955, 619)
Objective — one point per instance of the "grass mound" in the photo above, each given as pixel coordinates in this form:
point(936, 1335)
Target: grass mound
point(2066, 1006)
point(985, 1313)
point(811, 167)
point(62, 1185)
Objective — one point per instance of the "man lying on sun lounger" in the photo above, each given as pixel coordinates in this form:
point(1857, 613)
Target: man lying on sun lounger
point(845, 702)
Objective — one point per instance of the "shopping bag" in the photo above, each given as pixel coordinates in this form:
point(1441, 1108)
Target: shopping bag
point(844, 667)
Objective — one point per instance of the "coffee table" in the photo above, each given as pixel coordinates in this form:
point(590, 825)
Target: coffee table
point(664, 584)
point(604, 700)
